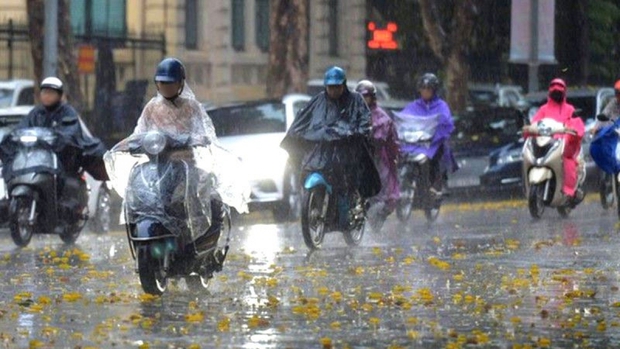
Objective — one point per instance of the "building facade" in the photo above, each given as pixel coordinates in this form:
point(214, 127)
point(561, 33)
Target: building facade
point(224, 43)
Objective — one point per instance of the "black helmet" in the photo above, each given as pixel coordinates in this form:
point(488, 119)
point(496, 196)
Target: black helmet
point(170, 70)
point(428, 80)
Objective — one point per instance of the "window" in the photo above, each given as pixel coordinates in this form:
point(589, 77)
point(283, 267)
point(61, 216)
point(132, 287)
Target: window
point(262, 25)
point(238, 24)
point(26, 96)
point(101, 17)
point(332, 23)
point(191, 24)
point(249, 119)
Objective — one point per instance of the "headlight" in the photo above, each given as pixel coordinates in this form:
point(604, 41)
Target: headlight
point(510, 157)
point(154, 142)
point(28, 140)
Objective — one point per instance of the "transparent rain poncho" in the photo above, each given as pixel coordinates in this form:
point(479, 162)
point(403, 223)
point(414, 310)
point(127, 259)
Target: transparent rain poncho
point(208, 170)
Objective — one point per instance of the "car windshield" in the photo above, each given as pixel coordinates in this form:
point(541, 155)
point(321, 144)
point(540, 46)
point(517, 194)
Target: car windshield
point(249, 119)
point(481, 96)
point(585, 106)
point(6, 96)
point(486, 128)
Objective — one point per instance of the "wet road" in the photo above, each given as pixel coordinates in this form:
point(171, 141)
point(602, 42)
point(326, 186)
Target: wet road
point(484, 275)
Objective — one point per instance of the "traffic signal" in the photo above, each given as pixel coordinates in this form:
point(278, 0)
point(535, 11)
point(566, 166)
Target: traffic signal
point(382, 38)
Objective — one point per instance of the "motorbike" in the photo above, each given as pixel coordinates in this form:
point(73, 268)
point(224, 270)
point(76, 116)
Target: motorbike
point(42, 198)
point(326, 208)
point(604, 151)
point(415, 168)
point(168, 213)
point(543, 169)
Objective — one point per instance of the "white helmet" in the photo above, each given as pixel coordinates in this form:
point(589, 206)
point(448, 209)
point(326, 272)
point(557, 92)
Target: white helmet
point(365, 87)
point(52, 82)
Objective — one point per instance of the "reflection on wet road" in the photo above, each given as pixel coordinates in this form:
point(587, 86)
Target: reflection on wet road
point(484, 275)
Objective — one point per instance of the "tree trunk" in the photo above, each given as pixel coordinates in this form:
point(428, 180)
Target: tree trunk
point(288, 47)
point(67, 62)
point(453, 52)
point(583, 41)
point(36, 20)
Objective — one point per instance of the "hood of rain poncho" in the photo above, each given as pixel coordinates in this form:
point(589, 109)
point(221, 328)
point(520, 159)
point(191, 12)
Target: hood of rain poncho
point(184, 118)
point(72, 132)
point(432, 117)
point(604, 148)
point(329, 133)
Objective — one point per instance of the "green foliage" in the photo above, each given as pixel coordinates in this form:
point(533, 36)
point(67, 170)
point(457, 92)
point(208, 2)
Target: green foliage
point(604, 18)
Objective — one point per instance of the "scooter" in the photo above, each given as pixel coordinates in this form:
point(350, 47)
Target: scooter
point(168, 211)
point(604, 151)
point(43, 199)
point(543, 169)
point(415, 168)
point(326, 209)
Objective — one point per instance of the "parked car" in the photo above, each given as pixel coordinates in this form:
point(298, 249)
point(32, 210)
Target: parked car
point(14, 93)
point(504, 169)
point(496, 95)
point(99, 204)
point(253, 131)
point(384, 99)
point(478, 132)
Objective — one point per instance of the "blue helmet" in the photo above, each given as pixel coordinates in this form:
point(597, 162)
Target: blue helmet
point(334, 76)
point(170, 70)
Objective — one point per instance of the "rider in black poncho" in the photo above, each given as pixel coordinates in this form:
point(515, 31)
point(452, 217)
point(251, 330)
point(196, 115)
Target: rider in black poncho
point(331, 135)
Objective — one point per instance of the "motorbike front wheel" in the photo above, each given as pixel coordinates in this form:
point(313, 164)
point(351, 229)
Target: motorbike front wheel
point(617, 194)
point(405, 203)
point(313, 216)
point(20, 225)
point(536, 200)
point(353, 236)
point(432, 213)
point(606, 190)
point(151, 271)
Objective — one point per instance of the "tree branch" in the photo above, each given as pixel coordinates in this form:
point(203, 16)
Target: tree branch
point(432, 27)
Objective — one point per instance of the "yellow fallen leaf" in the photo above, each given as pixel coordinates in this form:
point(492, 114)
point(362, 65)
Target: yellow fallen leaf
point(224, 325)
point(71, 297)
point(326, 342)
point(256, 321)
point(544, 342)
point(195, 317)
point(374, 321)
point(335, 325)
point(34, 344)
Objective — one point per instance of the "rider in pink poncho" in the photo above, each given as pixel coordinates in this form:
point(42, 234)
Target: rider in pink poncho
point(558, 109)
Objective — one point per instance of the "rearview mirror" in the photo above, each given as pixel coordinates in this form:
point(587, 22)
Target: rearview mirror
point(602, 117)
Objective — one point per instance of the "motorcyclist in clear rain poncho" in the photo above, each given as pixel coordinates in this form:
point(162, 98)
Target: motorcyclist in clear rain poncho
point(176, 112)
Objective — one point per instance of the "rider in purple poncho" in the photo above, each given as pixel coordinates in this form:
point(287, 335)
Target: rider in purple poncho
point(433, 111)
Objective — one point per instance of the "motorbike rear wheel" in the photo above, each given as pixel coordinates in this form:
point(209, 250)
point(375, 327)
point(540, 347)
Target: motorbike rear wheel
point(197, 282)
point(153, 277)
point(21, 229)
point(313, 216)
point(536, 201)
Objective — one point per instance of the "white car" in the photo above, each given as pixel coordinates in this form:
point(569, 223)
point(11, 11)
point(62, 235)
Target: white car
point(15, 93)
point(253, 131)
point(99, 205)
